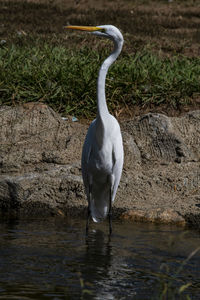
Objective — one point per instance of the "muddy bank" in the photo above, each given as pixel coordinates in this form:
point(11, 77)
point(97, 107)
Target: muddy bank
point(41, 174)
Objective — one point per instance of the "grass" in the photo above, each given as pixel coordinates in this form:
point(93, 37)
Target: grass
point(163, 77)
point(66, 79)
point(169, 286)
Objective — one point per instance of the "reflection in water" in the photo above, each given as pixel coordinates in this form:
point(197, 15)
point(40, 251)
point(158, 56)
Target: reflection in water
point(98, 252)
point(97, 259)
point(53, 259)
point(108, 270)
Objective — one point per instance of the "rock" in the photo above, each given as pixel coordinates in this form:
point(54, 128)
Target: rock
point(159, 138)
point(133, 155)
point(167, 216)
point(40, 171)
point(33, 134)
point(54, 189)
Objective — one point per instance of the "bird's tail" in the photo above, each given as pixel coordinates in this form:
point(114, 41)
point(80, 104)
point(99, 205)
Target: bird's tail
point(99, 204)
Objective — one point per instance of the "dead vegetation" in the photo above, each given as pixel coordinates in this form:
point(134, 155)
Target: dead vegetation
point(166, 28)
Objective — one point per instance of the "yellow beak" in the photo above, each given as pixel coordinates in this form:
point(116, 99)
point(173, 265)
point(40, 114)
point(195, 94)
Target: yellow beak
point(84, 28)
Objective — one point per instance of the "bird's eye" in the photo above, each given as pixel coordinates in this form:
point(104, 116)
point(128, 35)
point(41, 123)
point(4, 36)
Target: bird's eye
point(103, 30)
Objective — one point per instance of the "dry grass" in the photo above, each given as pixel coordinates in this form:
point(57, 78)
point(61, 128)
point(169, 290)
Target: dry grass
point(166, 29)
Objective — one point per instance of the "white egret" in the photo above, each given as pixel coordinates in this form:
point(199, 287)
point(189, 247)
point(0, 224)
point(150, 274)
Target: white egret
point(102, 155)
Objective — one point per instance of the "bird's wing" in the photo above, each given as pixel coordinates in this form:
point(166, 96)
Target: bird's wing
point(87, 147)
point(118, 159)
point(85, 157)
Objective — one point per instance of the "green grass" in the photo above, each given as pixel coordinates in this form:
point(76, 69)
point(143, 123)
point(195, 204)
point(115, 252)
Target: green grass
point(171, 287)
point(66, 79)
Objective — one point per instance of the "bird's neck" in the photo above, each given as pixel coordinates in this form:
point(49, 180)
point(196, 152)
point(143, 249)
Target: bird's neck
point(102, 109)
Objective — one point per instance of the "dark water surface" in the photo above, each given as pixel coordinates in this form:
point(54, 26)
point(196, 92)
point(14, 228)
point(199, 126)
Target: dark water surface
point(53, 259)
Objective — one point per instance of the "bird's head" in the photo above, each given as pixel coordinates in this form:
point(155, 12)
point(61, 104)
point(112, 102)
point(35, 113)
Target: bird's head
point(107, 31)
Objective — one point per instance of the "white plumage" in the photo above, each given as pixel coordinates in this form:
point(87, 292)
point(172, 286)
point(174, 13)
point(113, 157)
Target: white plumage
point(102, 156)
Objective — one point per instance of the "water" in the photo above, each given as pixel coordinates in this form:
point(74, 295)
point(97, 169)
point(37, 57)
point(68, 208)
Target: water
point(53, 259)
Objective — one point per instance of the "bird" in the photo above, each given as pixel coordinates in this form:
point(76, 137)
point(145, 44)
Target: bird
point(102, 154)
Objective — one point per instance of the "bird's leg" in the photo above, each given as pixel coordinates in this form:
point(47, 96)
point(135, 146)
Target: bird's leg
point(88, 210)
point(110, 212)
point(88, 219)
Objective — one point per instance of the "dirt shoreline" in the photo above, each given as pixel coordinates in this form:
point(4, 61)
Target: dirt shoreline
point(40, 152)
point(41, 174)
